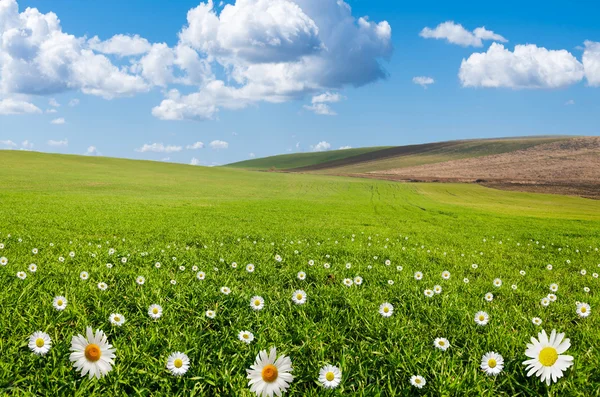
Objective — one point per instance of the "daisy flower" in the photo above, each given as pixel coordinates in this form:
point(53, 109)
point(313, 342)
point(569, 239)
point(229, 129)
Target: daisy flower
point(549, 267)
point(391, 282)
point(417, 381)
point(466, 280)
point(200, 275)
point(246, 336)
point(182, 268)
point(34, 251)
point(428, 293)
point(358, 280)
point(61, 259)
point(123, 260)
point(418, 276)
point(22, 275)
point(552, 297)
point(173, 282)
point(386, 309)
point(84, 275)
point(446, 275)
point(249, 267)
point(117, 319)
point(330, 376)
point(178, 363)
point(583, 309)
point(109, 265)
point(474, 266)
point(482, 318)
point(497, 282)
point(348, 265)
point(326, 265)
point(492, 363)
point(301, 275)
point(437, 289)
point(33, 268)
point(225, 290)
point(546, 358)
point(388, 262)
point(270, 374)
point(155, 311)
point(3, 261)
point(92, 354)
point(278, 258)
point(399, 268)
point(40, 343)
point(554, 287)
point(102, 286)
point(489, 297)
point(348, 282)
point(586, 289)
point(522, 272)
point(441, 343)
point(545, 302)
point(536, 321)
point(59, 303)
point(311, 262)
point(257, 302)
point(157, 265)
point(299, 297)
point(210, 314)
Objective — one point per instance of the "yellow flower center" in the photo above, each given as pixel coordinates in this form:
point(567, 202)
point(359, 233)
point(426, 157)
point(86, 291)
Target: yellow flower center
point(386, 309)
point(481, 317)
point(548, 356)
point(583, 309)
point(39, 342)
point(269, 373)
point(92, 352)
point(492, 363)
point(329, 376)
point(117, 319)
point(442, 343)
point(59, 302)
point(155, 310)
point(245, 336)
point(178, 363)
point(418, 381)
point(256, 302)
point(299, 297)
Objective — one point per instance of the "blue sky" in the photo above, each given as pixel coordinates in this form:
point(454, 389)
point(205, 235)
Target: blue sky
point(308, 72)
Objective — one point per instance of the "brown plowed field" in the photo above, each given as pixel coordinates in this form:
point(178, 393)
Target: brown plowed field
point(569, 166)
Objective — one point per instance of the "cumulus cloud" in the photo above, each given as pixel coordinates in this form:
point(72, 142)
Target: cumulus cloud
point(321, 109)
point(62, 143)
point(13, 106)
point(194, 161)
point(59, 120)
point(345, 147)
point(591, 62)
point(456, 34)
point(53, 102)
point(528, 66)
point(121, 45)
point(92, 151)
point(158, 148)
point(51, 110)
point(321, 146)
point(8, 143)
point(217, 144)
point(423, 81)
point(319, 103)
point(193, 146)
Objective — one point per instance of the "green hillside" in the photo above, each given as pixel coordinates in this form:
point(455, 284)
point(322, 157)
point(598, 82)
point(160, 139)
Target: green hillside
point(296, 160)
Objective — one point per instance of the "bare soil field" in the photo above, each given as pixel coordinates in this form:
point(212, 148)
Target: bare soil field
point(569, 167)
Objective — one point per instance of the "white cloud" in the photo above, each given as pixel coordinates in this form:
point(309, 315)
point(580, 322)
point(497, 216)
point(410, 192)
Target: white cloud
point(456, 34)
point(570, 102)
point(74, 102)
point(121, 45)
point(194, 161)
point(59, 120)
point(321, 108)
point(423, 81)
point(321, 147)
point(319, 103)
point(252, 155)
point(197, 145)
point(8, 143)
point(327, 97)
point(158, 148)
point(92, 151)
point(64, 142)
point(53, 102)
point(13, 106)
point(528, 66)
point(51, 110)
point(26, 145)
point(165, 159)
point(345, 147)
point(591, 62)
point(217, 144)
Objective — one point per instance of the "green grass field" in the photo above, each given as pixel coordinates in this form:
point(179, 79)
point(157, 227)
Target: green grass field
point(190, 216)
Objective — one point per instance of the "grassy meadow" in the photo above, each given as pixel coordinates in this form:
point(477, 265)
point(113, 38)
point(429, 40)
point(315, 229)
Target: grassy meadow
point(185, 217)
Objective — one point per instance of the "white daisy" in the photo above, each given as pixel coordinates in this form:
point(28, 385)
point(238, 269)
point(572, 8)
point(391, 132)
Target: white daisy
point(358, 280)
point(182, 268)
point(270, 374)
point(497, 282)
point(536, 321)
point(84, 275)
point(482, 318)
point(399, 268)
point(210, 314)
point(116, 319)
point(173, 282)
point(22, 275)
point(417, 381)
point(33, 268)
point(492, 363)
point(489, 297)
point(34, 251)
point(140, 280)
point(441, 343)
point(446, 275)
point(522, 272)
point(200, 275)
point(246, 336)
point(583, 309)
point(586, 289)
point(257, 302)
point(386, 309)
point(549, 267)
point(326, 265)
point(233, 266)
point(278, 258)
point(418, 276)
point(545, 302)
point(546, 358)
point(554, 287)
point(301, 275)
point(330, 376)
point(225, 290)
point(552, 297)
point(123, 260)
point(466, 280)
point(3, 261)
point(178, 363)
point(391, 282)
point(249, 267)
point(437, 289)
point(155, 311)
point(102, 286)
point(40, 343)
point(299, 297)
point(348, 265)
point(428, 293)
point(157, 265)
point(348, 282)
point(474, 266)
point(311, 262)
point(109, 265)
point(92, 354)
point(59, 303)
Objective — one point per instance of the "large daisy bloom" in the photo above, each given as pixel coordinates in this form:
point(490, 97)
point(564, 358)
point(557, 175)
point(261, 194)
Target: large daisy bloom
point(546, 358)
point(441, 343)
point(92, 354)
point(117, 319)
point(417, 381)
point(492, 363)
point(59, 303)
point(257, 302)
point(178, 363)
point(583, 309)
point(246, 336)
point(270, 374)
point(155, 311)
point(482, 318)
point(386, 309)
point(299, 297)
point(330, 376)
point(40, 343)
